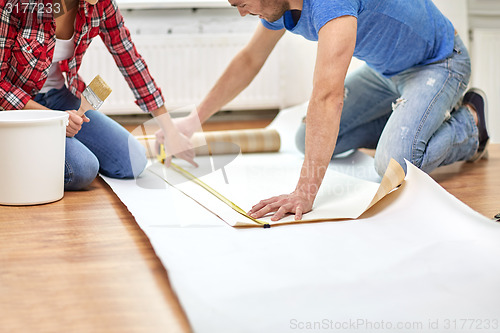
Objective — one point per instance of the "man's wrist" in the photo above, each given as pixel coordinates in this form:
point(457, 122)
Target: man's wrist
point(311, 177)
point(308, 190)
point(202, 113)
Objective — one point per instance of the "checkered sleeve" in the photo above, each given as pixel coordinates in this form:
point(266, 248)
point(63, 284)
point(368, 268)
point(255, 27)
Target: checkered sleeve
point(12, 97)
point(117, 39)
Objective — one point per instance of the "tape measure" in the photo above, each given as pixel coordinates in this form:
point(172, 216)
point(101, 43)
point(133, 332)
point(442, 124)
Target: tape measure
point(161, 158)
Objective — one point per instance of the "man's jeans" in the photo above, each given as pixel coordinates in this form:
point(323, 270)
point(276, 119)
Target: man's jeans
point(412, 115)
point(102, 145)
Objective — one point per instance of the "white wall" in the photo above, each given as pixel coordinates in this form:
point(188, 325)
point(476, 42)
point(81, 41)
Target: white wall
point(484, 21)
point(457, 12)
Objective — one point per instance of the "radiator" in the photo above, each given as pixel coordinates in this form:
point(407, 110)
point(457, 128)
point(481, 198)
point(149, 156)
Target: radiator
point(185, 67)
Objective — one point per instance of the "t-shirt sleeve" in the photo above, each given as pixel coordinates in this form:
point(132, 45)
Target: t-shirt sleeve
point(276, 25)
point(323, 11)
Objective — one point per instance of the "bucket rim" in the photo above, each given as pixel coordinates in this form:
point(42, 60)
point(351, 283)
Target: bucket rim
point(56, 115)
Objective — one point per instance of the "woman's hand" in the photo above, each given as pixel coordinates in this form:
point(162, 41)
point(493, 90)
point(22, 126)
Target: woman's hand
point(297, 202)
point(75, 123)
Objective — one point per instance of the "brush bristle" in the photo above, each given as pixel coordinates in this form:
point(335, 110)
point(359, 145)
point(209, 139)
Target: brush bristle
point(100, 88)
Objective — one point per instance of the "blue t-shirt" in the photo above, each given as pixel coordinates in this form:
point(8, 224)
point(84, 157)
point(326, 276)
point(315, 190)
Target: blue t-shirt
point(393, 35)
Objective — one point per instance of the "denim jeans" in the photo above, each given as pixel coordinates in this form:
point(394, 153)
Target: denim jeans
point(413, 115)
point(102, 145)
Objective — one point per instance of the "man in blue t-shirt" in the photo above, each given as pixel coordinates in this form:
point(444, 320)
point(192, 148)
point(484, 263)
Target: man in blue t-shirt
point(406, 101)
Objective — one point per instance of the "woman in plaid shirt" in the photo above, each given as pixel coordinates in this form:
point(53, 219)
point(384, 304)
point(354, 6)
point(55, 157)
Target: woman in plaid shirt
point(41, 40)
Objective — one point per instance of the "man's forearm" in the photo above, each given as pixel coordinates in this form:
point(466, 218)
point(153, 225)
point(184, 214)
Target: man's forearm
point(241, 71)
point(322, 126)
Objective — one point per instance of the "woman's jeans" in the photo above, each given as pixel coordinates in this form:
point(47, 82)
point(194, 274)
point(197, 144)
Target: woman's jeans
point(102, 145)
point(411, 115)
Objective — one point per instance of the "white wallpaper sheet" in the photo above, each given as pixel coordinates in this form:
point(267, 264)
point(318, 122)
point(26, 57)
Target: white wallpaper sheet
point(418, 261)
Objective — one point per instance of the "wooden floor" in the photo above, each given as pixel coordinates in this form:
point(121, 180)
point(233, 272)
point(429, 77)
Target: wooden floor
point(83, 265)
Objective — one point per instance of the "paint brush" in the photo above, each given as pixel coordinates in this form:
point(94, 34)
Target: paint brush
point(94, 95)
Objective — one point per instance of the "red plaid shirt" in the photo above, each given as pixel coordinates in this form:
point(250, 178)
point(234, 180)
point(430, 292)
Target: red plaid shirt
point(27, 40)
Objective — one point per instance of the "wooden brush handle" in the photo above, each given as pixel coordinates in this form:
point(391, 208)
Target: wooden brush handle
point(84, 106)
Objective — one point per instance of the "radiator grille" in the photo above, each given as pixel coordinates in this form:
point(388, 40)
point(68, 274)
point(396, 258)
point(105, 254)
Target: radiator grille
point(185, 67)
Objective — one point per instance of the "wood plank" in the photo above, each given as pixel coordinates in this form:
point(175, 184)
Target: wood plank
point(476, 184)
point(82, 264)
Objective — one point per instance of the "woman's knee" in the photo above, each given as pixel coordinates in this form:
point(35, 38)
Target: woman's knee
point(138, 160)
point(80, 173)
point(128, 164)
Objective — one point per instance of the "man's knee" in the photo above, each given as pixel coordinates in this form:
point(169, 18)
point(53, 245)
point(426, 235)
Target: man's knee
point(383, 156)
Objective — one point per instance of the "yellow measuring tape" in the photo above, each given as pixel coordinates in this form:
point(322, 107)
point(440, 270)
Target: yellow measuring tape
point(190, 176)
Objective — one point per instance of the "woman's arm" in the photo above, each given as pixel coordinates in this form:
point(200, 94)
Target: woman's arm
point(12, 97)
point(116, 37)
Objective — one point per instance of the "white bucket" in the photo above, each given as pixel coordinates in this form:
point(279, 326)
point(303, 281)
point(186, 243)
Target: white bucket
point(32, 144)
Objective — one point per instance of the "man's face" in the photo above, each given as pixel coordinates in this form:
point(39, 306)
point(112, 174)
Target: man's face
point(92, 2)
point(270, 10)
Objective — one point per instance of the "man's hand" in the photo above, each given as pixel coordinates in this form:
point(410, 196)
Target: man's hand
point(75, 123)
point(178, 145)
point(188, 125)
point(175, 144)
point(297, 202)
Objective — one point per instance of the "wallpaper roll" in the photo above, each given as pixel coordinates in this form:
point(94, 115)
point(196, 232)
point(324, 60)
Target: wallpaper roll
point(228, 142)
point(225, 142)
